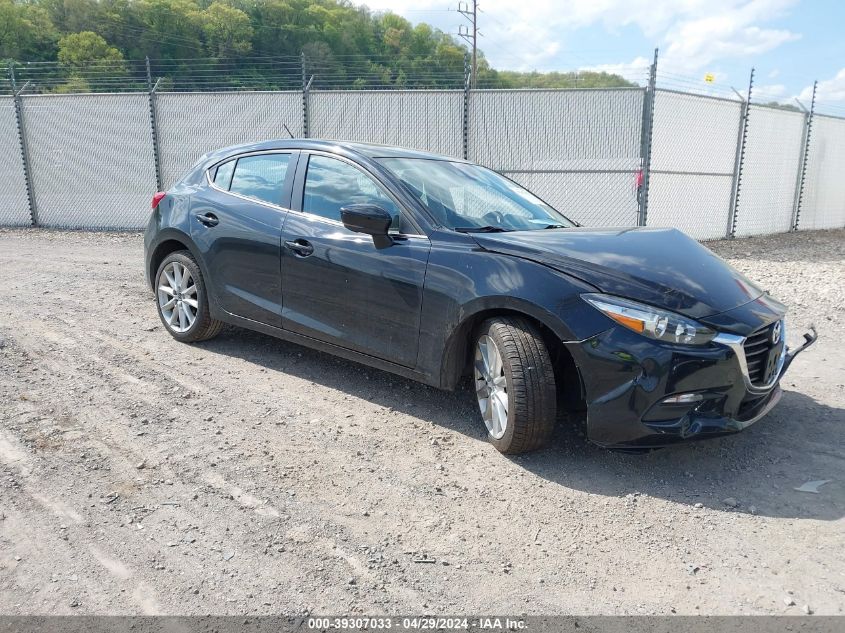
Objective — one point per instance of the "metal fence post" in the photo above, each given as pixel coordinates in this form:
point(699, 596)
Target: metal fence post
point(739, 160)
point(19, 123)
point(466, 107)
point(151, 91)
point(802, 164)
point(645, 141)
point(306, 85)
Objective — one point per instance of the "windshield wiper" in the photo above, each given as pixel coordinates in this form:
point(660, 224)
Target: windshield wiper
point(554, 226)
point(480, 229)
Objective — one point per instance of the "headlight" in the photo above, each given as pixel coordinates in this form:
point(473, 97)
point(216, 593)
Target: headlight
point(652, 322)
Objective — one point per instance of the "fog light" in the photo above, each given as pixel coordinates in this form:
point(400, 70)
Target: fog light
point(683, 398)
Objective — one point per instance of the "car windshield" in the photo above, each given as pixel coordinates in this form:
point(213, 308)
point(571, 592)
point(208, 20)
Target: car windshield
point(471, 198)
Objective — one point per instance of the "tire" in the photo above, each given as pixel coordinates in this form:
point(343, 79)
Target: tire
point(527, 378)
point(177, 320)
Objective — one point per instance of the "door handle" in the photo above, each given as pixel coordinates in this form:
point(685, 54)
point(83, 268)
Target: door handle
point(209, 219)
point(301, 247)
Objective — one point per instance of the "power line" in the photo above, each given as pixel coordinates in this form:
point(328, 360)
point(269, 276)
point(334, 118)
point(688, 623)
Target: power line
point(470, 36)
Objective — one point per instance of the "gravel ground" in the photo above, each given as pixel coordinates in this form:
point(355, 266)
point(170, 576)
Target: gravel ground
point(246, 475)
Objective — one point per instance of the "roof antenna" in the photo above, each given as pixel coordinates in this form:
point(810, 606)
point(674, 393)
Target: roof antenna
point(287, 130)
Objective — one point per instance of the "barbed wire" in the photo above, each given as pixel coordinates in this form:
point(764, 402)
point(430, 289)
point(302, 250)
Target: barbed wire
point(830, 108)
point(682, 82)
point(353, 72)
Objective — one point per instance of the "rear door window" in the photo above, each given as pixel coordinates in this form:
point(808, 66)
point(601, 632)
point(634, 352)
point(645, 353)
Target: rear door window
point(261, 177)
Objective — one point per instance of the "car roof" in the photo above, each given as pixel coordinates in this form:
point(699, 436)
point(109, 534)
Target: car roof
point(367, 150)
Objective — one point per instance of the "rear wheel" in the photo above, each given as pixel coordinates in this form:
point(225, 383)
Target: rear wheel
point(514, 384)
point(182, 299)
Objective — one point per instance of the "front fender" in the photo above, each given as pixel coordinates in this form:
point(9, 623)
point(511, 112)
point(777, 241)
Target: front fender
point(465, 284)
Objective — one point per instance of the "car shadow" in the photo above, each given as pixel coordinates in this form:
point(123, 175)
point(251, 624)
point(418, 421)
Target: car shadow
point(753, 472)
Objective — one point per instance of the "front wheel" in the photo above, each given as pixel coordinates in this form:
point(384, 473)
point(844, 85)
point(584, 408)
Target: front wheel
point(514, 384)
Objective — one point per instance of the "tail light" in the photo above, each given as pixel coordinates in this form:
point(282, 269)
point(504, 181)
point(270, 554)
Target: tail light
point(158, 197)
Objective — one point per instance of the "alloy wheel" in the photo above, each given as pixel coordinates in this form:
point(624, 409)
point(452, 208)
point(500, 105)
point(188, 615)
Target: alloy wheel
point(177, 297)
point(491, 386)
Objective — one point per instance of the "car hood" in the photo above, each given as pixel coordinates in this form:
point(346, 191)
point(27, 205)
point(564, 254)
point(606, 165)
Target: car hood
point(661, 267)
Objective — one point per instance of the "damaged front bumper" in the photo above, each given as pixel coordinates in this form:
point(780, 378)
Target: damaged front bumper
point(645, 394)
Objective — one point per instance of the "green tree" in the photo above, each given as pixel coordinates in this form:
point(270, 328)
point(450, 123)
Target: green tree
point(80, 49)
point(783, 106)
point(73, 84)
point(251, 43)
point(89, 63)
point(26, 32)
point(228, 32)
point(167, 29)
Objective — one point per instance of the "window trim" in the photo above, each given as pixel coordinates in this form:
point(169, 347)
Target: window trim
point(289, 176)
point(299, 192)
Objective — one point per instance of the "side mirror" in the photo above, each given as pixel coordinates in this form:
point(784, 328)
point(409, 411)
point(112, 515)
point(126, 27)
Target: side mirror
point(369, 219)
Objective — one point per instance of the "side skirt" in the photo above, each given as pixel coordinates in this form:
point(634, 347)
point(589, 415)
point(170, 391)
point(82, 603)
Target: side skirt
point(328, 348)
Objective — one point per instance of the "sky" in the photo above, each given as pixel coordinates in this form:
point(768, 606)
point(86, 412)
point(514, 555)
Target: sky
point(790, 43)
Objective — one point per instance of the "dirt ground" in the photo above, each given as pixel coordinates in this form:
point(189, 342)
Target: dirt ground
point(247, 475)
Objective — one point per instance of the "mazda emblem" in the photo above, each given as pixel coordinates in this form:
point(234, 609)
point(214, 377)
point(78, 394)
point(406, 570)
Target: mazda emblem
point(777, 330)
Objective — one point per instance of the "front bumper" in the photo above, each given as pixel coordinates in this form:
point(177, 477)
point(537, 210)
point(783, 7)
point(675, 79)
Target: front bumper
point(628, 377)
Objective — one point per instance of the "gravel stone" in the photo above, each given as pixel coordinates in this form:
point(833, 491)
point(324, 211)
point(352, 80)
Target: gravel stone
point(71, 376)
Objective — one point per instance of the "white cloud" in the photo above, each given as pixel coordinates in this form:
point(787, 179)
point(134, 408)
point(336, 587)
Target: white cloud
point(829, 90)
point(635, 70)
point(694, 44)
point(773, 90)
point(770, 92)
point(692, 34)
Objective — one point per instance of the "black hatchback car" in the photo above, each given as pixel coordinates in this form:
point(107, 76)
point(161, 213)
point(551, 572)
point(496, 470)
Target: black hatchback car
point(437, 269)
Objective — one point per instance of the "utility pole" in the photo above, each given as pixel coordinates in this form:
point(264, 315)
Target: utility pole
point(470, 34)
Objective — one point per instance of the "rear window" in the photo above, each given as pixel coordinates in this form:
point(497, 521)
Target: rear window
point(261, 176)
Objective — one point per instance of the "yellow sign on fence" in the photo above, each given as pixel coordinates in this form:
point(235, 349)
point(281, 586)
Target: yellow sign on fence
point(709, 78)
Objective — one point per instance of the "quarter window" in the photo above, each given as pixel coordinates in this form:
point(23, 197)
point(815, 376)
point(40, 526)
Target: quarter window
point(261, 177)
point(223, 175)
point(331, 184)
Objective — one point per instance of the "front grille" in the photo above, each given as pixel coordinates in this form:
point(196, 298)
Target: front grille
point(757, 347)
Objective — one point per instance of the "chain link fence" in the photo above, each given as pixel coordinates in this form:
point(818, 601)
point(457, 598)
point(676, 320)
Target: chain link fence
point(429, 120)
point(712, 165)
point(579, 150)
point(770, 171)
point(14, 203)
point(91, 159)
point(190, 124)
point(824, 196)
point(693, 159)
